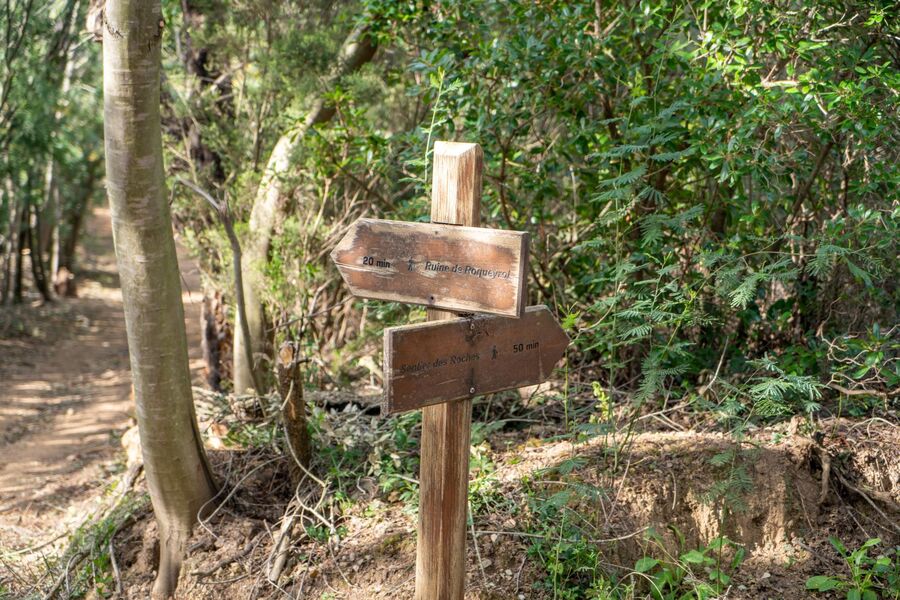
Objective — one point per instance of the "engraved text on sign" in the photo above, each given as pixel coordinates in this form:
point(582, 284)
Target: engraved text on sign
point(463, 269)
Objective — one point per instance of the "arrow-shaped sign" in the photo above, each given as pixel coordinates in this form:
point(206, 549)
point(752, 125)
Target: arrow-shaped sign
point(462, 269)
point(440, 361)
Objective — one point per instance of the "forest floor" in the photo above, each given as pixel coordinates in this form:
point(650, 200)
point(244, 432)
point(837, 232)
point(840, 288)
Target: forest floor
point(550, 511)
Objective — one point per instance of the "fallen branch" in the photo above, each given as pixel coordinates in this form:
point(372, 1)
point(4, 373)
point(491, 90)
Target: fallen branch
point(282, 545)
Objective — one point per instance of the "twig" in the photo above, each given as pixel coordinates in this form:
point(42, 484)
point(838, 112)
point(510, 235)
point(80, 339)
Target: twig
point(803, 505)
point(64, 576)
point(702, 391)
point(229, 559)
point(879, 495)
point(826, 474)
point(539, 536)
point(280, 551)
point(80, 554)
point(32, 549)
point(478, 552)
point(519, 574)
point(849, 392)
point(203, 522)
point(115, 568)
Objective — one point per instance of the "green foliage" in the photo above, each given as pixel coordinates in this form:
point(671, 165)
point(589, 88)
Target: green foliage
point(696, 574)
point(50, 121)
point(561, 519)
point(711, 189)
point(870, 578)
point(385, 451)
point(561, 523)
point(700, 170)
point(89, 550)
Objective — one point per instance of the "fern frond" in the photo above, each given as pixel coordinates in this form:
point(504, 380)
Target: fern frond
point(625, 178)
point(673, 156)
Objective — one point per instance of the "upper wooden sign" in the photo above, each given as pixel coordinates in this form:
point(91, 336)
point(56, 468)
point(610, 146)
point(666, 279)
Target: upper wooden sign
point(462, 269)
point(447, 360)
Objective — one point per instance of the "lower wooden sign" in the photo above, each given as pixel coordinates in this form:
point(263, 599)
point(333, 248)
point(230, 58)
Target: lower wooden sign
point(440, 361)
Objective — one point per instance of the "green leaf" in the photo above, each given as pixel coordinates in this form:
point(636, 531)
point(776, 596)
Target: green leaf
point(859, 273)
point(838, 545)
point(645, 564)
point(854, 594)
point(719, 577)
point(694, 556)
point(822, 583)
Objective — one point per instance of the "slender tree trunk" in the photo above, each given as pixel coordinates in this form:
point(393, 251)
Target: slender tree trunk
point(11, 242)
point(178, 475)
point(54, 199)
point(33, 236)
point(270, 205)
point(74, 217)
point(18, 271)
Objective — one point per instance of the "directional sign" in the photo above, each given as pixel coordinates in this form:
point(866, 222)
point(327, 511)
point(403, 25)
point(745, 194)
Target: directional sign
point(462, 269)
point(447, 360)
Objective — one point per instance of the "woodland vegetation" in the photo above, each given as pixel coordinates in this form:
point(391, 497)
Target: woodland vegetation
point(712, 191)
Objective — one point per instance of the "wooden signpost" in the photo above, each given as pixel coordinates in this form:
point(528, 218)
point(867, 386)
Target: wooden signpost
point(448, 360)
point(441, 365)
point(465, 269)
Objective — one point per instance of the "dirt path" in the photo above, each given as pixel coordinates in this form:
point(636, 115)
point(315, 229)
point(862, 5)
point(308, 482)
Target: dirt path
point(65, 396)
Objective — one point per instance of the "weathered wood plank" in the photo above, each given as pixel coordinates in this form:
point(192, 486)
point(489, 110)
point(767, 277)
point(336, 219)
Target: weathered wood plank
point(465, 269)
point(446, 428)
point(447, 360)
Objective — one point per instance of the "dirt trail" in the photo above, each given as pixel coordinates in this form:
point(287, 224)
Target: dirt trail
point(65, 397)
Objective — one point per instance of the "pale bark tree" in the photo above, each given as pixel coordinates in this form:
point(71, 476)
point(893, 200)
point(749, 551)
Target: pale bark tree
point(270, 205)
point(178, 475)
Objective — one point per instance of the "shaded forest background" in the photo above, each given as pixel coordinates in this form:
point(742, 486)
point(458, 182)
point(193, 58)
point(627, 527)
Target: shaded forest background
point(712, 191)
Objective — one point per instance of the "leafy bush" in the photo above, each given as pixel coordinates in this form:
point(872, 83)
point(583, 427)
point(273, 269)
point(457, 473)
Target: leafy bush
point(869, 576)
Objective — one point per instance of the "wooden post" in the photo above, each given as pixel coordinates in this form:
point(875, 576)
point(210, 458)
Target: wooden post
point(446, 428)
point(293, 409)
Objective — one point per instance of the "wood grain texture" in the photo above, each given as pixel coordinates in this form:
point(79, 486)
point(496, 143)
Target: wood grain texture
point(446, 428)
point(466, 269)
point(441, 361)
point(456, 184)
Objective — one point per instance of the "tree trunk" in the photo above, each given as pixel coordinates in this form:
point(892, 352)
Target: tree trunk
point(11, 241)
point(74, 216)
point(293, 410)
point(18, 271)
point(270, 204)
point(33, 228)
point(54, 197)
point(212, 340)
point(178, 475)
